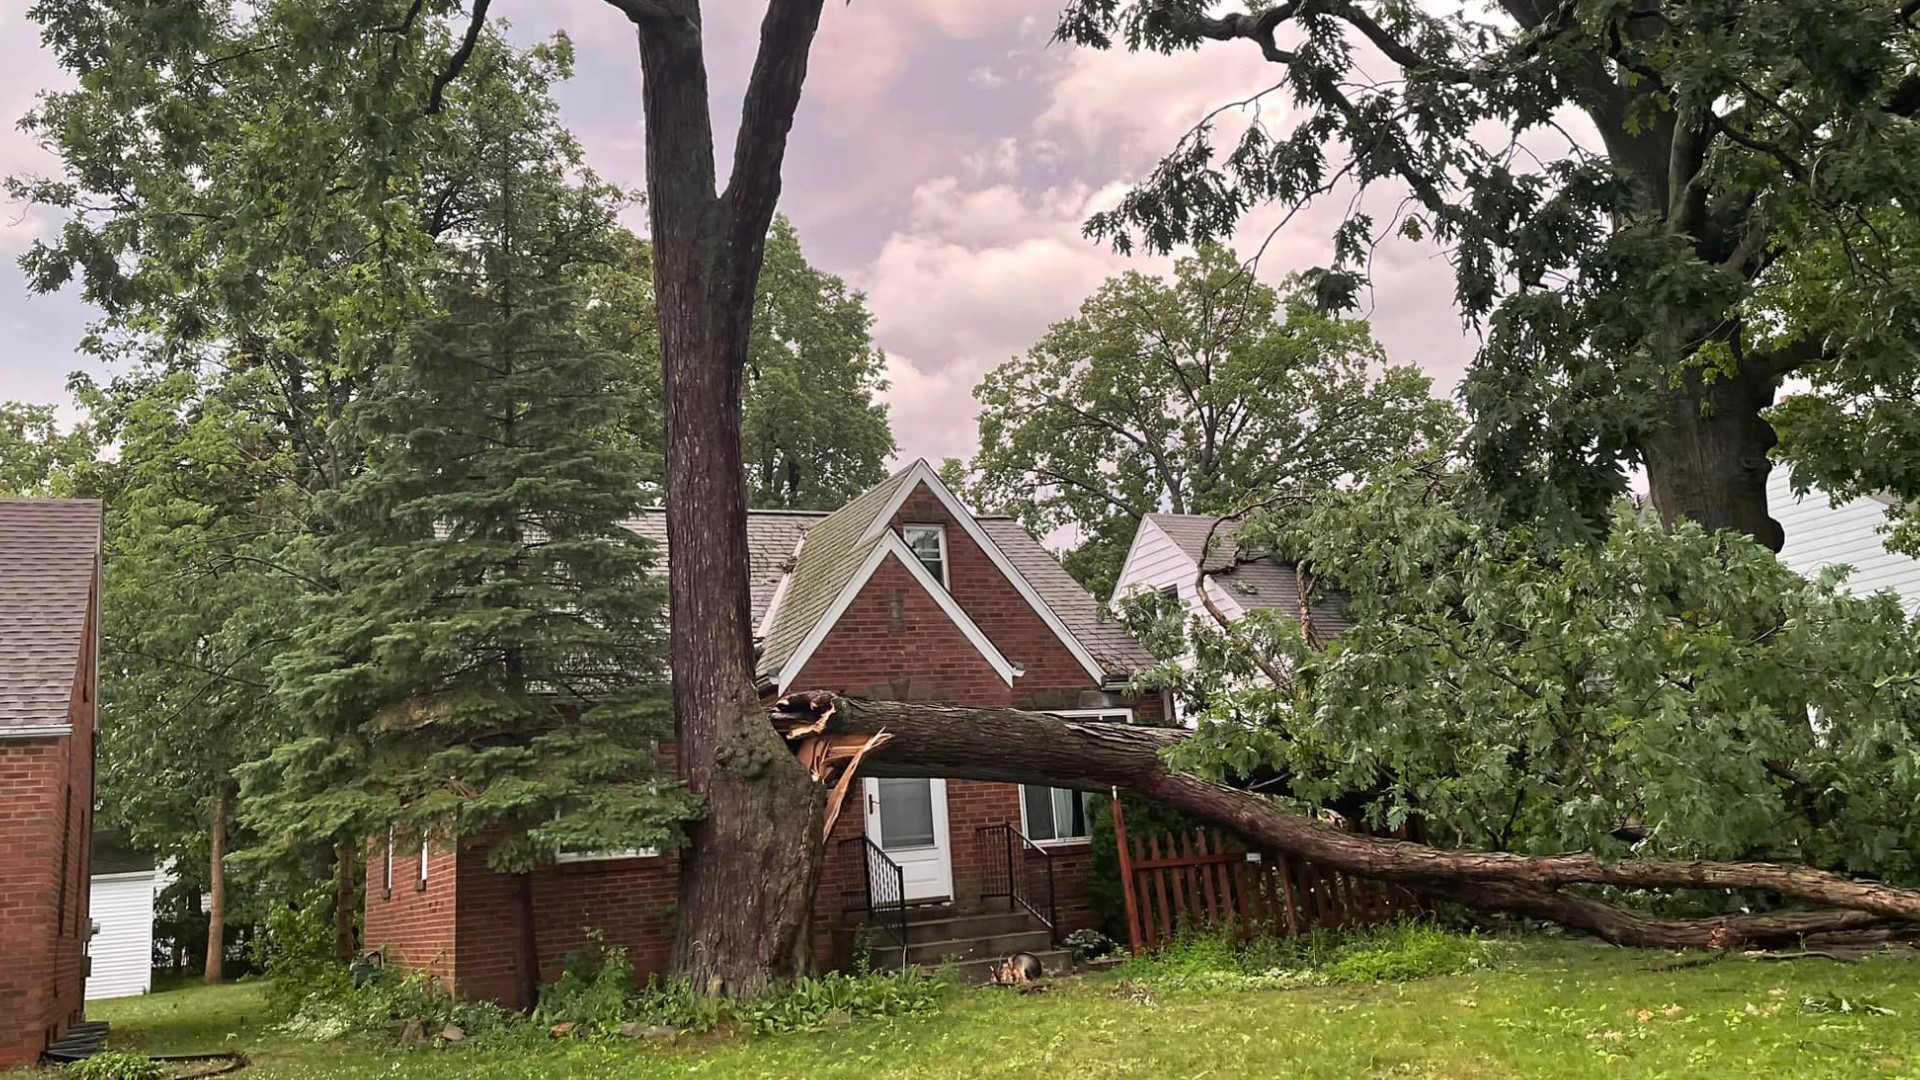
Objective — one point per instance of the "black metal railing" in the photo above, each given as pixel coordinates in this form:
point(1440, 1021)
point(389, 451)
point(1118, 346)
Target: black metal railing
point(1022, 872)
point(884, 899)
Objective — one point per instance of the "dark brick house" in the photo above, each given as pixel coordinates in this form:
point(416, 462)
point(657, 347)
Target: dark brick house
point(49, 625)
point(903, 594)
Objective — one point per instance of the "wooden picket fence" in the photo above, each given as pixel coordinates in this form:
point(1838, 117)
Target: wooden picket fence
point(1202, 880)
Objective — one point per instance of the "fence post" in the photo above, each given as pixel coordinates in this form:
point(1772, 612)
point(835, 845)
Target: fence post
point(1126, 874)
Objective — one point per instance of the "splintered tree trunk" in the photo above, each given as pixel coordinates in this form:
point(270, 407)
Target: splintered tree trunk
point(751, 862)
point(345, 896)
point(217, 890)
point(1708, 463)
point(526, 946)
point(1012, 746)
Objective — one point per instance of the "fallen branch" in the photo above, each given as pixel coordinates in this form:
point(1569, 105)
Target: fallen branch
point(1012, 746)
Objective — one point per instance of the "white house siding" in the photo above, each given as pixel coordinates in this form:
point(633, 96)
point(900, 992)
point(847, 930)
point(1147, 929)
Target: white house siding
point(1154, 562)
point(122, 952)
point(1821, 534)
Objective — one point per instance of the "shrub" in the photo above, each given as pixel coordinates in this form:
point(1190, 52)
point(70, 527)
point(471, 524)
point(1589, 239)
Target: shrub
point(593, 990)
point(118, 1065)
point(1087, 945)
point(296, 955)
point(813, 1003)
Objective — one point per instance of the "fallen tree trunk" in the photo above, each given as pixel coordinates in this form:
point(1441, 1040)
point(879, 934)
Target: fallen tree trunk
point(1013, 746)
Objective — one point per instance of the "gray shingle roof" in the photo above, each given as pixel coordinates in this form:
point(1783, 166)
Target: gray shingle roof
point(1190, 531)
point(771, 537)
point(49, 549)
point(1256, 582)
point(831, 556)
point(1115, 649)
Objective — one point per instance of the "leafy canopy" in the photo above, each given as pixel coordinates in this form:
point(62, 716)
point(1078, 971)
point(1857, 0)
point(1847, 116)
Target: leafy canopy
point(1667, 691)
point(1732, 204)
point(1196, 395)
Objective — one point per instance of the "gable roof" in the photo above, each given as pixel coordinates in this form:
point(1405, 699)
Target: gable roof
point(50, 549)
point(837, 548)
point(1254, 581)
point(890, 545)
point(1189, 533)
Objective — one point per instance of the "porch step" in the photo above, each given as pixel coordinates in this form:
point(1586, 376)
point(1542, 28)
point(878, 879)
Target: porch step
point(928, 951)
point(1053, 963)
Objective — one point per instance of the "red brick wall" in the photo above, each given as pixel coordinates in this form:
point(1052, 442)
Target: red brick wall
point(46, 830)
point(412, 922)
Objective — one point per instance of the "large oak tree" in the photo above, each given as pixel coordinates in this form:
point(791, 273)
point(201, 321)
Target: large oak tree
point(1631, 279)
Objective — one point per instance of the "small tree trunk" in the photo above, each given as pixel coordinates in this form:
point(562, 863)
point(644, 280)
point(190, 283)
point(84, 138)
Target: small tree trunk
point(526, 946)
point(217, 890)
point(1708, 463)
point(346, 894)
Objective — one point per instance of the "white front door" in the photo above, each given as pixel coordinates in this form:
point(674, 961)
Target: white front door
point(908, 819)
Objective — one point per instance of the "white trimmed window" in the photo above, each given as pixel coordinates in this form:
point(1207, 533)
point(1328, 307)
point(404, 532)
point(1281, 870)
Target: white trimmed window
point(929, 544)
point(606, 856)
point(389, 885)
point(422, 883)
point(1051, 815)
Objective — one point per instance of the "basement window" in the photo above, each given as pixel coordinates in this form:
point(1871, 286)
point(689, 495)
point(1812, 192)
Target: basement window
point(929, 544)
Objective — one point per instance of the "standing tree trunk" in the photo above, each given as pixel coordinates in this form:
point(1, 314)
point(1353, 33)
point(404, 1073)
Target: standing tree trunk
point(346, 892)
point(752, 861)
point(217, 889)
point(1707, 462)
point(526, 946)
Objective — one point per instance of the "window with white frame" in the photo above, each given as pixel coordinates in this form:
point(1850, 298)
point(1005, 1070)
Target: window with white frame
point(422, 883)
point(389, 884)
point(929, 544)
point(1051, 815)
point(606, 856)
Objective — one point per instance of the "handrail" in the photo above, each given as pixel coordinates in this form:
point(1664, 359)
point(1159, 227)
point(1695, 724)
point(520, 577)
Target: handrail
point(1013, 885)
point(885, 892)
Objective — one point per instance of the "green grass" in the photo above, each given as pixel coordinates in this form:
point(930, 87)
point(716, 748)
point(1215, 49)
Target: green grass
point(1540, 1009)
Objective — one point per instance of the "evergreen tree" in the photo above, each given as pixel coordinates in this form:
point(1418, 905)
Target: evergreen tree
point(491, 674)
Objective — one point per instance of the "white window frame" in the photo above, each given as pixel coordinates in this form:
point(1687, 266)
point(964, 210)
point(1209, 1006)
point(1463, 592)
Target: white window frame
point(422, 883)
point(567, 857)
point(389, 885)
point(939, 531)
point(1068, 841)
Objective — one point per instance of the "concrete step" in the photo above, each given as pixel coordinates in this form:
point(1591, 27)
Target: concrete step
point(932, 952)
point(1053, 963)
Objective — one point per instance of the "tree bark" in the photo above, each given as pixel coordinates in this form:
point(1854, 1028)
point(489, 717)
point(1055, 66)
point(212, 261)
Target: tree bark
point(1707, 462)
point(217, 890)
point(526, 946)
point(751, 862)
point(346, 893)
point(1035, 748)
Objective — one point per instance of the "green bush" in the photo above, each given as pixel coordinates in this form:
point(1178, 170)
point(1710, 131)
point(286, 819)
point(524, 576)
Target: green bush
point(813, 1003)
point(1397, 952)
point(118, 1065)
point(296, 956)
point(593, 990)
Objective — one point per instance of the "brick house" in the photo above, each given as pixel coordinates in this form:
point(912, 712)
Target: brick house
point(902, 594)
point(49, 626)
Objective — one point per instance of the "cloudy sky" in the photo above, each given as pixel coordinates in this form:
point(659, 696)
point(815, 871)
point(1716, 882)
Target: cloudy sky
point(943, 161)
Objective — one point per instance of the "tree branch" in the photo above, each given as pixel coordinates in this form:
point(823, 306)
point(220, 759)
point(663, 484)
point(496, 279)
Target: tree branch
point(766, 118)
point(436, 100)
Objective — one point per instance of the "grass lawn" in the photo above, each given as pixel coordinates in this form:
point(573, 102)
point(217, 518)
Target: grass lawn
point(1545, 1008)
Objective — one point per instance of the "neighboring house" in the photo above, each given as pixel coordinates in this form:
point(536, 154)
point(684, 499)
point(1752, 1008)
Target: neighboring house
point(1822, 533)
point(124, 885)
point(903, 594)
point(1169, 550)
point(49, 626)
